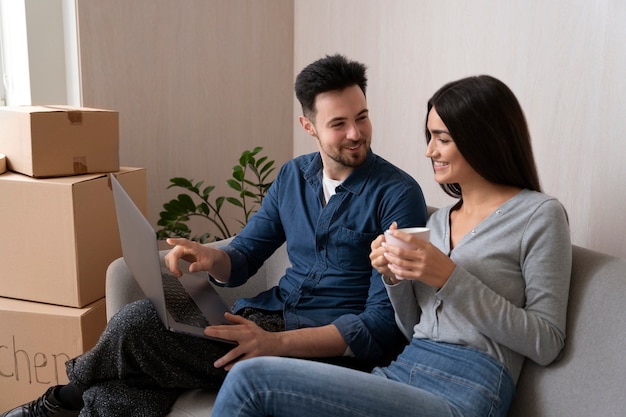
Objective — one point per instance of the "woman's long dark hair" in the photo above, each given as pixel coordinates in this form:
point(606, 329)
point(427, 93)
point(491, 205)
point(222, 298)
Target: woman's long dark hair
point(488, 126)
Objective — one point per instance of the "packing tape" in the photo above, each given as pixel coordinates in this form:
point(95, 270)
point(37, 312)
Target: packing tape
point(3, 163)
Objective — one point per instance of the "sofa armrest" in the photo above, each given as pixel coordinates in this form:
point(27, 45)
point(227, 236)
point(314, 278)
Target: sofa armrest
point(122, 288)
point(588, 379)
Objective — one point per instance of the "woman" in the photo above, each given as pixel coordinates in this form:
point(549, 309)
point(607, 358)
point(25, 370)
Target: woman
point(489, 289)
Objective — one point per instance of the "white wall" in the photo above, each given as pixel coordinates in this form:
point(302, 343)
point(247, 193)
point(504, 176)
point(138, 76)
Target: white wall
point(565, 61)
point(196, 83)
point(201, 78)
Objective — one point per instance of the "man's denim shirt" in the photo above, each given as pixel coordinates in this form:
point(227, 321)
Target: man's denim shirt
point(331, 279)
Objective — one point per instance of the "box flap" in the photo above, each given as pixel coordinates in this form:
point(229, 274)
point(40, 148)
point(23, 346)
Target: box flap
point(49, 108)
point(30, 307)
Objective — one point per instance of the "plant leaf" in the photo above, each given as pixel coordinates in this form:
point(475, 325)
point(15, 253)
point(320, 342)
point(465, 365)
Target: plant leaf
point(260, 161)
point(234, 201)
point(267, 166)
point(204, 208)
point(174, 207)
point(207, 191)
point(238, 173)
point(247, 193)
point(180, 182)
point(245, 157)
point(187, 203)
point(234, 185)
point(166, 216)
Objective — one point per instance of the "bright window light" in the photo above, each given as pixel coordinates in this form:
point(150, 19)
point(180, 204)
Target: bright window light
point(14, 49)
point(34, 68)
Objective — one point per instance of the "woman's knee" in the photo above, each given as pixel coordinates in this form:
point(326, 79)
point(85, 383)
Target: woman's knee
point(136, 315)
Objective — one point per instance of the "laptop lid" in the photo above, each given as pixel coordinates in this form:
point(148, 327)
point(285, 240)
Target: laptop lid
point(141, 254)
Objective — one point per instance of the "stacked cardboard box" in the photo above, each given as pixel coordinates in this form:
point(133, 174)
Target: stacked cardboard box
point(36, 340)
point(55, 141)
point(59, 234)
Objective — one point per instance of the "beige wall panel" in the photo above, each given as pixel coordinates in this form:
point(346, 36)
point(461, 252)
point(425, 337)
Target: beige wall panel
point(565, 61)
point(195, 82)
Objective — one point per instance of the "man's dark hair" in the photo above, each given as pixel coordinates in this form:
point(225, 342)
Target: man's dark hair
point(331, 73)
point(488, 127)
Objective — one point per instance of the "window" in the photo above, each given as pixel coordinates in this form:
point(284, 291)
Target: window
point(39, 52)
point(14, 50)
point(3, 95)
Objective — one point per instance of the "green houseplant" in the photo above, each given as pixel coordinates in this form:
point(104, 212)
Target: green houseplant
point(250, 181)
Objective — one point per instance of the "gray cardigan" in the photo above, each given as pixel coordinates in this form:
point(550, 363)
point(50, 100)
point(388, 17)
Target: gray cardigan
point(508, 293)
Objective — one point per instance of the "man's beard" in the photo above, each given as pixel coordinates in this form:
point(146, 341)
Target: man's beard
point(352, 160)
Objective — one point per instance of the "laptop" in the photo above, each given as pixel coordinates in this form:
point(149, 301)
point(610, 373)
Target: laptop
point(185, 305)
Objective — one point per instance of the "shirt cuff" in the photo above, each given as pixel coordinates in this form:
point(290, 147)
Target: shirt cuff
point(217, 281)
point(348, 352)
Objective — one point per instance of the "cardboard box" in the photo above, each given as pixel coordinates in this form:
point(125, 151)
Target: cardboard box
point(55, 141)
point(35, 342)
point(59, 235)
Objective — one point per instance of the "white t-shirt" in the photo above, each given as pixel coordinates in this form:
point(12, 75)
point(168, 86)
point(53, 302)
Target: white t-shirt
point(329, 187)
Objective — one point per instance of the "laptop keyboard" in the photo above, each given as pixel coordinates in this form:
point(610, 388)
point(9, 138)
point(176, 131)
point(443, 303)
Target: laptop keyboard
point(180, 304)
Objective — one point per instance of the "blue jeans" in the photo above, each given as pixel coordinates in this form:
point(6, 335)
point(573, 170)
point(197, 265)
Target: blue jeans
point(428, 379)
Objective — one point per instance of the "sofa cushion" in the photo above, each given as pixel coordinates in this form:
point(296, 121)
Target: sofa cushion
point(194, 403)
point(589, 377)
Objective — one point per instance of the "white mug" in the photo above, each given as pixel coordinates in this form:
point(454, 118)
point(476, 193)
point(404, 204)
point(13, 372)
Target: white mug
point(420, 232)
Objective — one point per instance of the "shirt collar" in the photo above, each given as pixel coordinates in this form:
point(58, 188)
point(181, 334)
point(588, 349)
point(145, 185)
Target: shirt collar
point(356, 180)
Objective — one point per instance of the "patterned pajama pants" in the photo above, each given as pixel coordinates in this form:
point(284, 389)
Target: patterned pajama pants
point(139, 368)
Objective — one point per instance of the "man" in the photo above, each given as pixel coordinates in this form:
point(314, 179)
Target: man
point(328, 206)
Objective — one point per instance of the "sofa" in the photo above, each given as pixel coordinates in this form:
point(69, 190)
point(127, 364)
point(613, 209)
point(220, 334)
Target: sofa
point(589, 378)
